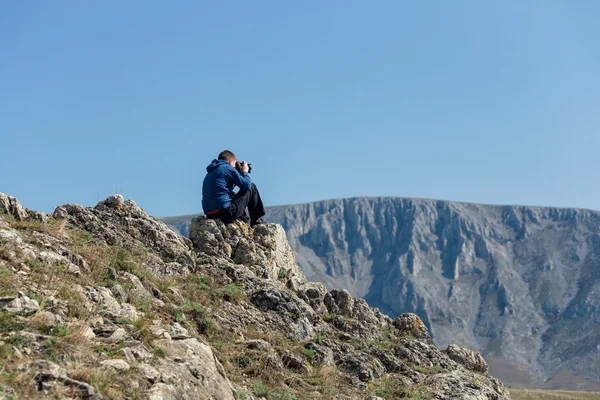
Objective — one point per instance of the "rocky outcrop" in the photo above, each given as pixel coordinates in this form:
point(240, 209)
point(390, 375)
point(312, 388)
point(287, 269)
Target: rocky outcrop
point(11, 206)
point(225, 315)
point(264, 247)
point(117, 222)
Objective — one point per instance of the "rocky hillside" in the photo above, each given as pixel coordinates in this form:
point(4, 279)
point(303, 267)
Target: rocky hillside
point(108, 302)
point(519, 284)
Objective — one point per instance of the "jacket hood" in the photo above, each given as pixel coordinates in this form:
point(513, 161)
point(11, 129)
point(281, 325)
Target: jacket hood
point(215, 164)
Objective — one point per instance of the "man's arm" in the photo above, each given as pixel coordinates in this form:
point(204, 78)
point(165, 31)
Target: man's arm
point(242, 181)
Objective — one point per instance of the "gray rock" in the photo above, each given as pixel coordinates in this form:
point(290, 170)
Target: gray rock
point(11, 206)
point(19, 305)
point(10, 236)
point(44, 319)
point(411, 324)
point(149, 372)
point(323, 356)
point(471, 360)
point(115, 223)
point(39, 216)
point(198, 377)
point(114, 200)
point(88, 333)
point(259, 345)
point(179, 332)
point(118, 335)
point(294, 362)
point(362, 366)
point(264, 249)
point(128, 355)
point(457, 385)
point(45, 372)
point(118, 365)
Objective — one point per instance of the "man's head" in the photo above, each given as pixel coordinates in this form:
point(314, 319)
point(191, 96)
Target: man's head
point(228, 156)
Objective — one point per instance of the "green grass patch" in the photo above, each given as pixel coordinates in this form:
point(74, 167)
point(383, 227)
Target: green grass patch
point(421, 392)
point(260, 389)
point(111, 351)
point(328, 317)
point(59, 330)
point(122, 262)
point(10, 322)
point(243, 361)
point(283, 395)
point(309, 353)
point(232, 293)
point(16, 340)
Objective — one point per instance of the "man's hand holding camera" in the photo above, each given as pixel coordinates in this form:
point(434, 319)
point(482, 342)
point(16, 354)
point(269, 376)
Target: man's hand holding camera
point(243, 167)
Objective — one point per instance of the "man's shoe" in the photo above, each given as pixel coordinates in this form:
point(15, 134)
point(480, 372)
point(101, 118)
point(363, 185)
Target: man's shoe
point(259, 221)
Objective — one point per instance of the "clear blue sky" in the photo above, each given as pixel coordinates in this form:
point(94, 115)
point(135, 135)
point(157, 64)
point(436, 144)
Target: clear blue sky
point(493, 102)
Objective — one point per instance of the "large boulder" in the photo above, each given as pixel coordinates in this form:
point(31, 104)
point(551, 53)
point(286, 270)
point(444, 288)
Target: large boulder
point(198, 377)
point(11, 206)
point(411, 325)
point(469, 359)
point(264, 249)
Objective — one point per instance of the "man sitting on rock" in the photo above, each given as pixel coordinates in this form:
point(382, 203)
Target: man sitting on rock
point(218, 198)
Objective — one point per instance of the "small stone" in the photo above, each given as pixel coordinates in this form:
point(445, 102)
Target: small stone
point(44, 319)
point(412, 324)
point(128, 354)
point(470, 359)
point(140, 352)
point(36, 216)
point(88, 333)
point(17, 353)
point(293, 362)
point(45, 369)
point(179, 332)
point(119, 335)
point(119, 365)
point(149, 372)
point(258, 344)
point(160, 332)
point(20, 305)
point(73, 269)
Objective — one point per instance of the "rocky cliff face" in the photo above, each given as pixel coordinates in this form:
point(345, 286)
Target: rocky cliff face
point(519, 284)
point(108, 302)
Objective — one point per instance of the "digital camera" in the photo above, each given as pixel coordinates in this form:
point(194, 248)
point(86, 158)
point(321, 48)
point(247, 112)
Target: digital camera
point(238, 166)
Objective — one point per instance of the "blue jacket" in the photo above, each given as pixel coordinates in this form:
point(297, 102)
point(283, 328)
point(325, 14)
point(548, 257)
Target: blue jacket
point(217, 188)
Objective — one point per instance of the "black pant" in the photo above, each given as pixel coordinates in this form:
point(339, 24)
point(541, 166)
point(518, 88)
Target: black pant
point(237, 209)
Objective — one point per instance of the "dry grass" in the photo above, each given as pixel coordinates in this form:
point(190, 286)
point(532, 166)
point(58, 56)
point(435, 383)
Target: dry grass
point(526, 394)
point(54, 228)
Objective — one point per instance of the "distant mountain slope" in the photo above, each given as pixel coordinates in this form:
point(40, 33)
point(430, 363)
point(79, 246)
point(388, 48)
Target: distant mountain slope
point(520, 284)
